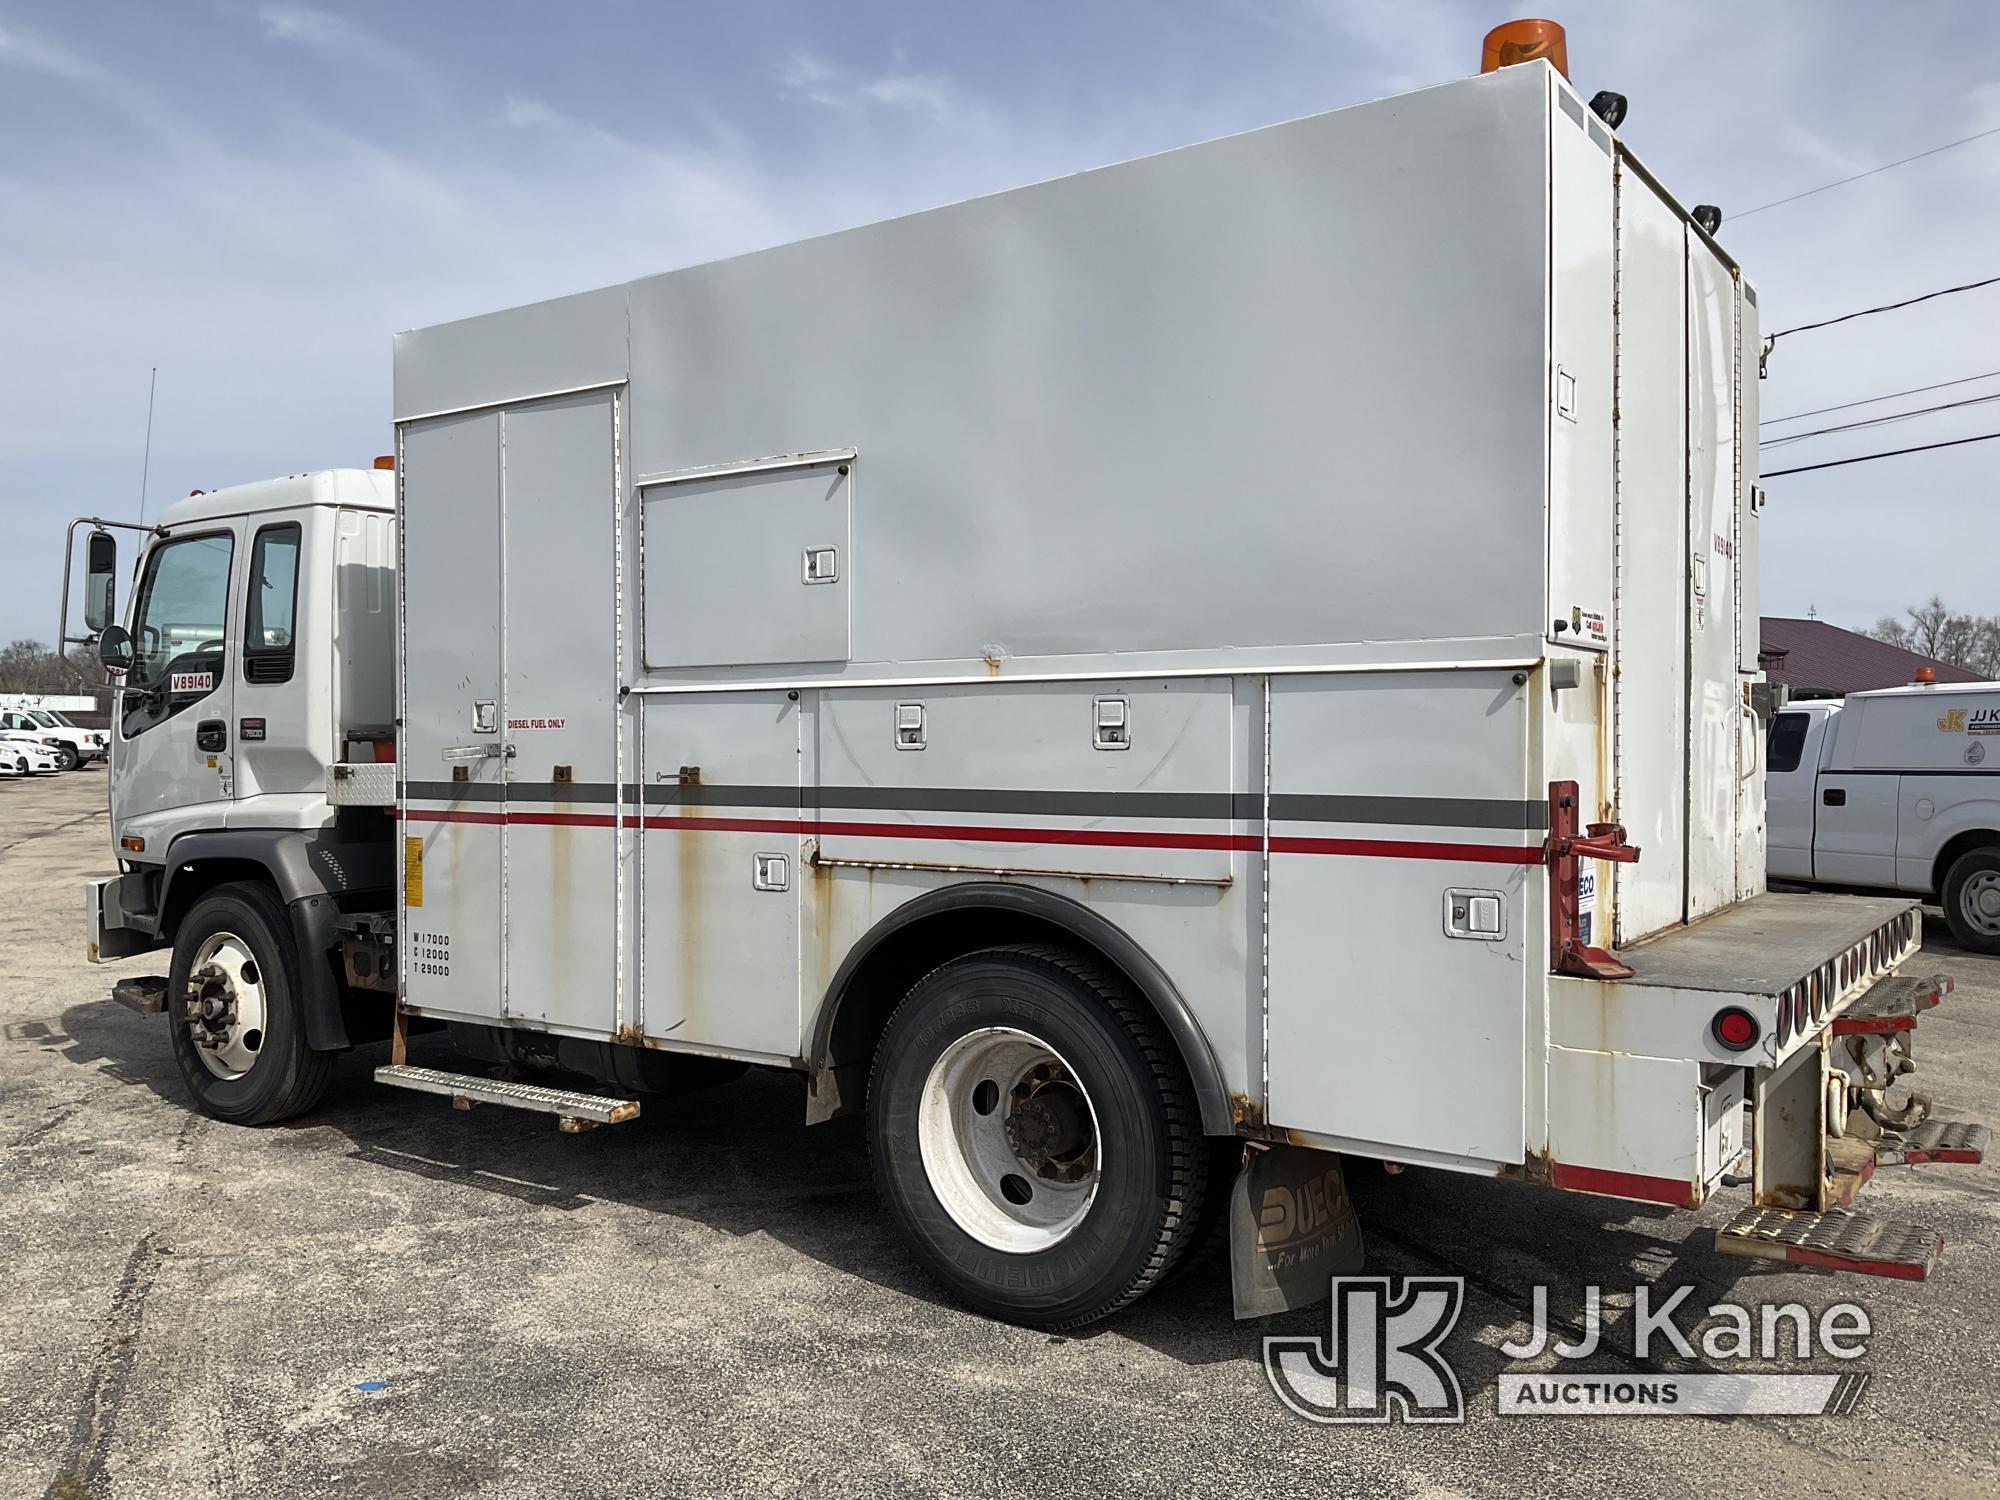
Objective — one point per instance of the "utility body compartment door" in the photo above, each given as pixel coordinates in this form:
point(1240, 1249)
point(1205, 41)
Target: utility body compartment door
point(1649, 637)
point(1715, 702)
point(1400, 812)
point(450, 875)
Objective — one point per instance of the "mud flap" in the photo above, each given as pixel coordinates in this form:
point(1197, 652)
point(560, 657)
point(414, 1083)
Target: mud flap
point(1291, 1229)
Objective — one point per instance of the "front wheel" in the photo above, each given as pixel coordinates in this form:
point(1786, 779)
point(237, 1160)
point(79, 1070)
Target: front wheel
point(233, 1007)
point(67, 758)
point(1971, 898)
point(1035, 1136)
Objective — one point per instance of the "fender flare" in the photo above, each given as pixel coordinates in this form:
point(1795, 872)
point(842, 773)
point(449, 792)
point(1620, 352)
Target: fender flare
point(308, 866)
point(1080, 922)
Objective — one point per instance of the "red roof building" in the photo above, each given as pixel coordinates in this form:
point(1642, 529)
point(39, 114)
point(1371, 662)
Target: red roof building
point(1819, 660)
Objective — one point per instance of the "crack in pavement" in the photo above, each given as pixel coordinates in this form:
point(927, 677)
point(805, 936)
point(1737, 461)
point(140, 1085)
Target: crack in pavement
point(90, 1435)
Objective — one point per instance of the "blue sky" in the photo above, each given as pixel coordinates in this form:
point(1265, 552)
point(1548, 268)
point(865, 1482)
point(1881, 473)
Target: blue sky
point(255, 196)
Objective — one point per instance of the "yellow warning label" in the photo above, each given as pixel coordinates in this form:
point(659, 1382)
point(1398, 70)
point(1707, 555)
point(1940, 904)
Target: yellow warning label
point(413, 872)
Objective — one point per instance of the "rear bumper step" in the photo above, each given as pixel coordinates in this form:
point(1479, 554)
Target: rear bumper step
point(573, 1111)
point(1838, 1240)
point(1892, 1005)
point(1935, 1141)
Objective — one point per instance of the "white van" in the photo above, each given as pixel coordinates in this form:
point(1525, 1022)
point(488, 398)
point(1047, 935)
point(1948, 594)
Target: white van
point(1897, 790)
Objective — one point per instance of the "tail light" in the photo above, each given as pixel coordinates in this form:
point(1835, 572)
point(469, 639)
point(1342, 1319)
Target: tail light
point(1734, 1029)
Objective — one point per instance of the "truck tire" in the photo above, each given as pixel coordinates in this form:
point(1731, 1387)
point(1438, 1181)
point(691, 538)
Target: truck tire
point(1971, 900)
point(67, 758)
point(1035, 1137)
point(234, 985)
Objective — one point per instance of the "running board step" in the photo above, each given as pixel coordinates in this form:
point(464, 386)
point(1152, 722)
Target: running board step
point(573, 1111)
point(1935, 1140)
point(1839, 1240)
point(145, 993)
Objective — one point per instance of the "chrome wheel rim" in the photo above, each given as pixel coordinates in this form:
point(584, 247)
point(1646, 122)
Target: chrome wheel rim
point(224, 1006)
point(1979, 902)
point(1009, 1140)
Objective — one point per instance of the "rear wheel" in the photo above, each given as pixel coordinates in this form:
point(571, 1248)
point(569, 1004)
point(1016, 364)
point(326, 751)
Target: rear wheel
point(1971, 898)
point(1035, 1136)
point(233, 1008)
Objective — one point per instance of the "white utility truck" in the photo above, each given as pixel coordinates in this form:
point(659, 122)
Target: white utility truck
point(1894, 790)
point(1140, 686)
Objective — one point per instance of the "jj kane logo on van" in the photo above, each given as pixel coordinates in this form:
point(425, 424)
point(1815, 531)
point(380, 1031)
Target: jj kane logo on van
point(1382, 1359)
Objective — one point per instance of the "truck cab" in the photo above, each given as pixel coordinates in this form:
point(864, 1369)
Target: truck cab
point(259, 643)
point(1893, 790)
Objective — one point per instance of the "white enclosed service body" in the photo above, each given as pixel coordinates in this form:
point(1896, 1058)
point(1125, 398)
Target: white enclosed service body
point(1235, 543)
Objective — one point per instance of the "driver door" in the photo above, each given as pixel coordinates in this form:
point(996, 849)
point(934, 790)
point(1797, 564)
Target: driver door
point(171, 720)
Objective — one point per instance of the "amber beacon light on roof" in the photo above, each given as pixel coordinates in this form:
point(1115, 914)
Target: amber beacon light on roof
point(1524, 41)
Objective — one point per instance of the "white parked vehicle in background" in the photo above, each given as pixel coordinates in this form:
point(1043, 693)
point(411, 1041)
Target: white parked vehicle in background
point(28, 755)
point(72, 745)
point(1894, 790)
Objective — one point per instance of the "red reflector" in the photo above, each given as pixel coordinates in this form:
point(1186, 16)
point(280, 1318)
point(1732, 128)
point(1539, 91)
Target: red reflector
point(1735, 1029)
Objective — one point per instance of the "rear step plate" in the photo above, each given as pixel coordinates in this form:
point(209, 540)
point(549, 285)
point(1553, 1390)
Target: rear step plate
point(1935, 1140)
point(1893, 1005)
point(1839, 1240)
point(573, 1110)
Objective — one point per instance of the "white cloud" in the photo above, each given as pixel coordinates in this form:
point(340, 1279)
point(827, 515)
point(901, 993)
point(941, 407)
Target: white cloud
point(332, 36)
point(804, 78)
point(21, 50)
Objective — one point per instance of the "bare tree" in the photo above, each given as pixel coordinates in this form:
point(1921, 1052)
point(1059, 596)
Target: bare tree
point(1892, 630)
point(1927, 625)
point(28, 666)
point(1933, 629)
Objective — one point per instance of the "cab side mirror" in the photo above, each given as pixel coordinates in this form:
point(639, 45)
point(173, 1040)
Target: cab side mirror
point(100, 582)
point(114, 650)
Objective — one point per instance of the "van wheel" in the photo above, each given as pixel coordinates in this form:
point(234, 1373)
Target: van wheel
point(233, 1008)
point(1035, 1137)
point(1971, 898)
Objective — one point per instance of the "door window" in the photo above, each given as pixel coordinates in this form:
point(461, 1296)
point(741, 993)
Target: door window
point(1788, 741)
point(178, 630)
point(271, 604)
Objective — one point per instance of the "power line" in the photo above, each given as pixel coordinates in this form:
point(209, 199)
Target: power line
point(1915, 390)
point(1865, 312)
point(1842, 182)
point(1835, 463)
point(1883, 421)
